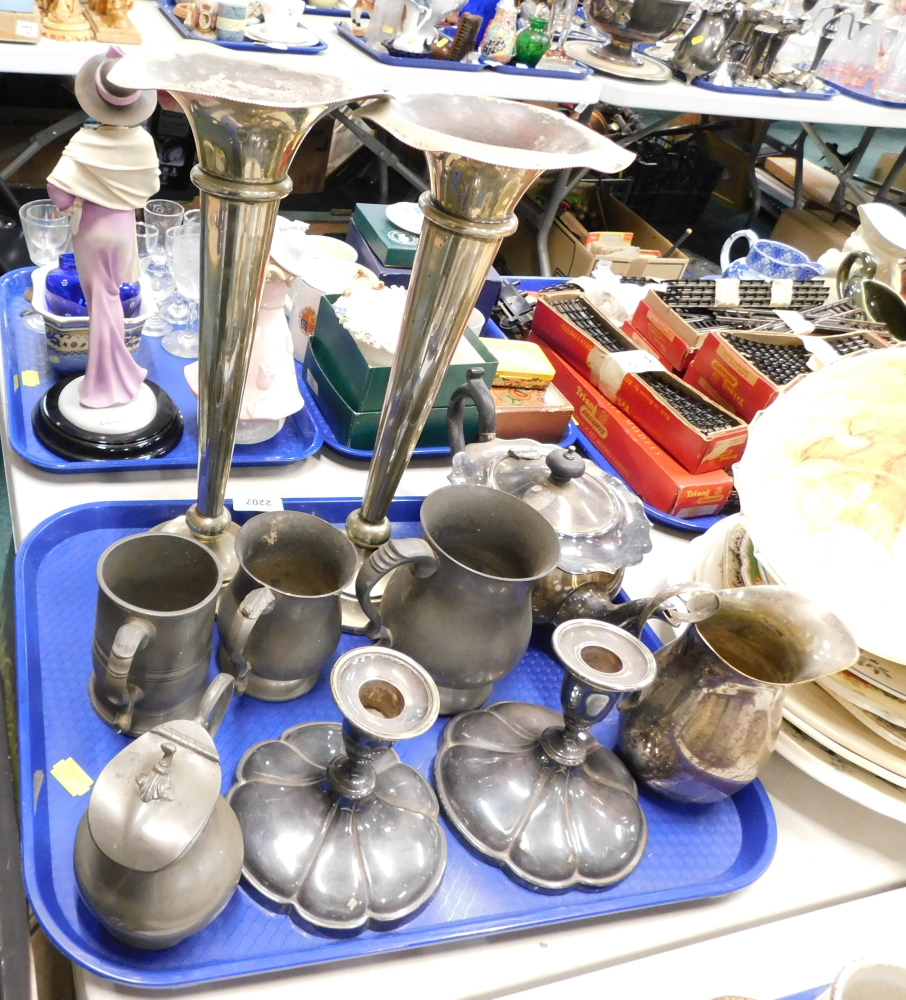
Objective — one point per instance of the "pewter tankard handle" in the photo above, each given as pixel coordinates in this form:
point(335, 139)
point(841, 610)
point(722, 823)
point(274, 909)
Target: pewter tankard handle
point(215, 702)
point(133, 635)
point(396, 552)
point(476, 389)
point(255, 605)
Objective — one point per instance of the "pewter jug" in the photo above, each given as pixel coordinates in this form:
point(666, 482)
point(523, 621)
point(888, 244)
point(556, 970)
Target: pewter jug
point(711, 718)
point(462, 608)
point(701, 49)
point(158, 852)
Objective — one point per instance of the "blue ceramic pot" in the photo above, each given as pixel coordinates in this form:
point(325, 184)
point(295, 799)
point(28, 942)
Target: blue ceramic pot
point(64, 296)
point(767, 259)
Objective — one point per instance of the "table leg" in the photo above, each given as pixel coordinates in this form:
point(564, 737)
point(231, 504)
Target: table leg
point(761, 130)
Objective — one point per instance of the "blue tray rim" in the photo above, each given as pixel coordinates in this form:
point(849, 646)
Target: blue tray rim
point(297, 50)
point(414, 63)
point(16, 418)
point(753, 798)
point(859, 95)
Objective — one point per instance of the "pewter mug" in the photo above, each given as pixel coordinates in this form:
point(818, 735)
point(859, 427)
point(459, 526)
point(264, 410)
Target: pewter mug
point(279, 619)
point(153, 630)
point(711, 718)
point(463, 607)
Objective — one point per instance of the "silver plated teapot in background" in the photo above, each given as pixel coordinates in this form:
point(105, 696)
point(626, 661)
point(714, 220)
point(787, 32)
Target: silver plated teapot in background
point(601, 525)
point(158, 852)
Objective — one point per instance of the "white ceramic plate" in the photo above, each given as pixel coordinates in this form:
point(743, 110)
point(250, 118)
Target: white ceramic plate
point(815, 712)
point(406, 215)
point(850, 687)
point(893, 734)
point(300, 36)
point(841, 775)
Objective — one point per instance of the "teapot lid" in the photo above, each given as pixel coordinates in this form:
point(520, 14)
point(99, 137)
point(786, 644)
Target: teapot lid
point(602, 526)
point(155, 797)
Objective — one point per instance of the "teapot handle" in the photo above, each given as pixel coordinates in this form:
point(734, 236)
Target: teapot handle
point(396, 552)
point(133, 635)
point(748, 234)
point(255, 605)
point(215, 702)
point(476, 389)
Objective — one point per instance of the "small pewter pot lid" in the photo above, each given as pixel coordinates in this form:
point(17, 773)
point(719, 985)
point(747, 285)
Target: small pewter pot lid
point(152, 800)
point(601, 524)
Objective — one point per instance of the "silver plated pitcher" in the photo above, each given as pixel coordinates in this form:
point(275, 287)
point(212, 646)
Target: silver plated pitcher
point(463, 606)
point(711, 718)
point(279, 619)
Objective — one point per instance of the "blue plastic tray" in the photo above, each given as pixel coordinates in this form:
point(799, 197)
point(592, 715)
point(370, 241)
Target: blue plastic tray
point(864, 94)
point(329, 11)
point(757, 92)
point(24, 350)
point(168, 8)
point(579, 73)
point(693, 524)
point(385, 57)
point(694, 852)
point(812, 994)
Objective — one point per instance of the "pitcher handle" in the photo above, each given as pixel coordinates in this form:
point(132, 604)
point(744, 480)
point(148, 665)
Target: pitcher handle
point(396, 552)
point(133, 635)
point(215, 702)
point(476, 389)
point(748, 234)
point(696, 611)
point(255, 605)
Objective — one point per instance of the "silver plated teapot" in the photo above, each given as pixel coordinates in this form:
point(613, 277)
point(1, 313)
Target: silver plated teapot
point(601, 525)
point(158, 852)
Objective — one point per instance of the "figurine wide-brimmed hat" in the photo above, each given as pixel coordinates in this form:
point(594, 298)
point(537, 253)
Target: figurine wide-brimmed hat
point(108, 104)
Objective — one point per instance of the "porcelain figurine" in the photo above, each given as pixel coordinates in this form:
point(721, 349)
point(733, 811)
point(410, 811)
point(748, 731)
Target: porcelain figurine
point(107, 171)
point(271, 388)
point(418, 27)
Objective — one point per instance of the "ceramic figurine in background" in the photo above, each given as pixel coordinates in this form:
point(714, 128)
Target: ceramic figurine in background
point(64, 21)
point(111, 23)
point(418, 28)
point(385, 21)
point(499, 42)
point(532, 42)
point(107, 171)
point(357, 16)
point(271, 387)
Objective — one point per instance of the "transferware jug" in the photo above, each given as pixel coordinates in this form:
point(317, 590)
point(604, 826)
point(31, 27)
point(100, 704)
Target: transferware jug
point(711, 718)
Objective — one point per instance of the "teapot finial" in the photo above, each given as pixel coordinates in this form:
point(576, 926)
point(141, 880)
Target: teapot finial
point(155, 782)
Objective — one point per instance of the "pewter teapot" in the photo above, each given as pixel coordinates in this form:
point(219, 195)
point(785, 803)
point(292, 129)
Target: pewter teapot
point(701, 49)
point(158, 852)
point(601, 525)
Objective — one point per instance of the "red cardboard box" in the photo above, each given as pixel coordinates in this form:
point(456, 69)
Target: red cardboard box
point(669, 336)
point(618, 376)
point(646, 467)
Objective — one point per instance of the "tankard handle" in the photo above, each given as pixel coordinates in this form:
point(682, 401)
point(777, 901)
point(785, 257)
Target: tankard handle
point(254, 606)
point(396, 552)
point(215, 702)
point(476, 389)
point(133, 635)
point(748, 234)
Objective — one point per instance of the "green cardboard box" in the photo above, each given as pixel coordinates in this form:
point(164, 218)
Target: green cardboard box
point(393, 246)
point(359, 430)
point(363, 383)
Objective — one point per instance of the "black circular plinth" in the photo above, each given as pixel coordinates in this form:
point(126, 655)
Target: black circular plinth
point(63, 438)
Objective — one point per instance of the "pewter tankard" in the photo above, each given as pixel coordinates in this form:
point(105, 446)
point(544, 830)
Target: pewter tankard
point(463, 607)
point(153, 630)
point(711, 718)
point(279, 619)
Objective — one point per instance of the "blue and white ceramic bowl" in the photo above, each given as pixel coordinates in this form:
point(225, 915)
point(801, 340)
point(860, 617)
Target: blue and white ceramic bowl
point(767, 259)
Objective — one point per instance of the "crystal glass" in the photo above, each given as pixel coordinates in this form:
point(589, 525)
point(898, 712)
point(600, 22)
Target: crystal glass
point(186, 245)
point(147, 238)
point(157, 278)
point(892, 84)
point(192, 217)
point(164, 214)
point(47, 235)
point(176, 309)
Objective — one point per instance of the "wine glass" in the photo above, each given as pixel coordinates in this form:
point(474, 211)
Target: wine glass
point(176, 309)
point(186, 243)
point(192, 217)
point(164, 214)
point(47, 235)
point(157, 279)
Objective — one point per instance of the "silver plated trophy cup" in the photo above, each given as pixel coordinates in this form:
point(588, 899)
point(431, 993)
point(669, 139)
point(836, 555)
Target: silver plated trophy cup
point(248, 115)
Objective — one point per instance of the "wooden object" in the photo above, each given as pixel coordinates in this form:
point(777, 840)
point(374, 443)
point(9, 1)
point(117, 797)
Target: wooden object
point(111, 23)
point(64, 21)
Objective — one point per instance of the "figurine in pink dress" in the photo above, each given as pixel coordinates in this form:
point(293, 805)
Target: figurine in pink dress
point(107, 171)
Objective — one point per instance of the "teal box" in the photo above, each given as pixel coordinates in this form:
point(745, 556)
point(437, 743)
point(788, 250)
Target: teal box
point(359, 430)
point(362, 381)
point(392, 246)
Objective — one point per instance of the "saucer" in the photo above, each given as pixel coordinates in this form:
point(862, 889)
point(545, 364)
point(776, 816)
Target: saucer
point(406, 215)
point(298, 36)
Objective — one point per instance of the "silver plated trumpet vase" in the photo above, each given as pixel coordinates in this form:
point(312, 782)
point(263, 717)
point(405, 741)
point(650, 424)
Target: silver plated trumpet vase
point(482, 154)
point(249, 115)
